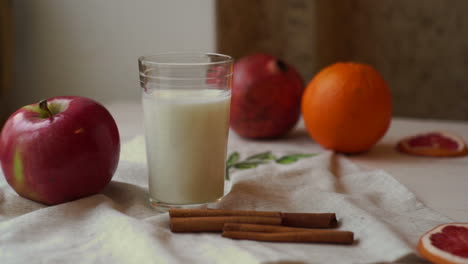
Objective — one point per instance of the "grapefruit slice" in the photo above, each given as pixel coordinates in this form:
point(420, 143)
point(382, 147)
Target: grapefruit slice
point(433, 144)
point(447, 243)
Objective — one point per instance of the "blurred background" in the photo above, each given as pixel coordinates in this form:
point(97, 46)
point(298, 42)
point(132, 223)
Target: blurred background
point(90, 47)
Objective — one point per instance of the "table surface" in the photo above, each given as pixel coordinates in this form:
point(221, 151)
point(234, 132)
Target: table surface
point(440, 183)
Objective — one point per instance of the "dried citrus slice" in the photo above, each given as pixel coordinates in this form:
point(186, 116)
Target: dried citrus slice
point(447, 243)
point(433, 144)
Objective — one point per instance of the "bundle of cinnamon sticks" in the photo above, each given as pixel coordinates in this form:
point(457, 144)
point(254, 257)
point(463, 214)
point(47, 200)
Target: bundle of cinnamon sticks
point(261, 225)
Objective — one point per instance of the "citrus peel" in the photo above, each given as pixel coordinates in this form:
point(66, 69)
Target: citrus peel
point(433, 144)
point(446, 243)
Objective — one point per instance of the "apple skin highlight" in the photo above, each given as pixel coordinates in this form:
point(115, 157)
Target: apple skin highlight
point(54, 159)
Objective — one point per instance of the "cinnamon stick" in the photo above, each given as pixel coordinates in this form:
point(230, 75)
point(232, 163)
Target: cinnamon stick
point(311, 220)
point(310, 236)
point(216, 223)
point(176, 212)
point(263, 228)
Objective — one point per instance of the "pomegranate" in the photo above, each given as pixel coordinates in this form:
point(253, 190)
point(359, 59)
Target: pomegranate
point(266, 97)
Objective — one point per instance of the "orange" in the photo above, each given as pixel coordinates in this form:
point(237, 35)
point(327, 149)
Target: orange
point(447, 243)
point(347, 107)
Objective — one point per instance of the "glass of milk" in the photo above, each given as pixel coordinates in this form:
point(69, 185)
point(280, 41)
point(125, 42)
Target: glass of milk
point(186, 99)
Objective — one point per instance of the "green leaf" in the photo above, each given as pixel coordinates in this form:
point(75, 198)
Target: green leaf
point(233, 158)
point(286, 160)
point(262, 156)
point(247, 164)
point(300, 156)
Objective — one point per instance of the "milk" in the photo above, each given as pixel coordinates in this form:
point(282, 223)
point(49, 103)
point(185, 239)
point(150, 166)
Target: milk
point(186, 135)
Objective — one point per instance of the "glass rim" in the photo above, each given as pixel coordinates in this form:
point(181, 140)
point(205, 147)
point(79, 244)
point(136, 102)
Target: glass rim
point(150, 59)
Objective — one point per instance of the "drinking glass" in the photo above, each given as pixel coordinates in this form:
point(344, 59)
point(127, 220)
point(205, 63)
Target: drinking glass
point(186, 100)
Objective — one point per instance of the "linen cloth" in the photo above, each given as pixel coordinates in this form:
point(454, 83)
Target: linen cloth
point(119, 226)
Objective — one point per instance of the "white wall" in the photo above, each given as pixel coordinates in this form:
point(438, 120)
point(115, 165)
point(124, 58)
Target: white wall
point(90, 47)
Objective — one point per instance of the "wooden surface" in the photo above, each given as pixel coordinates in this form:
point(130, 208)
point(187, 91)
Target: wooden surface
point(6, 53)
point(420, 46)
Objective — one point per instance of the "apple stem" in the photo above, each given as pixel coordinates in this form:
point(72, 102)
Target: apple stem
point(43, 106)
point(281, 65)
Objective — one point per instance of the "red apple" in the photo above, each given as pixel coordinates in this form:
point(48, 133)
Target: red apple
point(59, 149)
point(266, 97)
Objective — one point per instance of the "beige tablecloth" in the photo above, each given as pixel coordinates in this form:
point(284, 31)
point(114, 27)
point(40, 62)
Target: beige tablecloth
point(118, 226)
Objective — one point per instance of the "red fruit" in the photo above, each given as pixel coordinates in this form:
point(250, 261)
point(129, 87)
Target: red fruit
point(266, 97)
point(59, 150)
point(433, 144)
point(447, 243)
